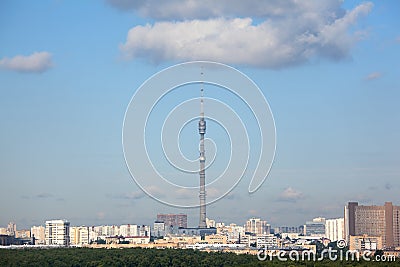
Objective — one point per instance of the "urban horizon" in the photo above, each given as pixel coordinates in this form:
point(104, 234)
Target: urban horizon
point(367, 232)
point(215, 219)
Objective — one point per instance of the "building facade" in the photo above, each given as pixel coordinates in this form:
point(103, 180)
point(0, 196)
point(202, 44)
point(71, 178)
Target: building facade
point(158, 229)
point(257, 226)
point(57, 232)
point(79, 235)
point(365, 242)
point(11, 229)
point(383, 221)
point(266, 241)
point(38, 232)
point(289, 229)
point(334, 229)
point(128, 230)
point(316, 227)
point(23, 234)
point(172, 222)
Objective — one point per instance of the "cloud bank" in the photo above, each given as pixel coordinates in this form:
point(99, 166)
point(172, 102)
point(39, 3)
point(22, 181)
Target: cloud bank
point(268, 34)
point(206, 9)
point(36, 63)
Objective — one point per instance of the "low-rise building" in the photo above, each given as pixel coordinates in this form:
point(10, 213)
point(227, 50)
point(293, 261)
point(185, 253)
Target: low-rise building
point(23, 234)
point(138, 239)
point(266, 241)
point(365, 242)
point(216, 239)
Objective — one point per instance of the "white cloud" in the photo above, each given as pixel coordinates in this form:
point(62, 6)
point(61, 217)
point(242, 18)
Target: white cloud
point(205, 9)
point(291, 195)
point(373, 76)
point(37, 62)
point(274, 43)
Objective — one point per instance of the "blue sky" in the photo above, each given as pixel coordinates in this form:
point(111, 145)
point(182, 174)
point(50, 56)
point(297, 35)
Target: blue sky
point(329, 70)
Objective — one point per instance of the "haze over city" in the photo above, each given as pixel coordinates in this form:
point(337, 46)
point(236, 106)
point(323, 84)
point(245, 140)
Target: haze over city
point(328, 69)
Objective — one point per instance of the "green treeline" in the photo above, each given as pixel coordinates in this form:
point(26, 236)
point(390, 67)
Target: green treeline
point(149, 258)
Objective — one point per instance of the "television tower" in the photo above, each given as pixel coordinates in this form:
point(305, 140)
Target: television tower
point(202, 172)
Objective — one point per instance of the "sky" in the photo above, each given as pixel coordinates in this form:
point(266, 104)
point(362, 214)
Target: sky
point(68, 70)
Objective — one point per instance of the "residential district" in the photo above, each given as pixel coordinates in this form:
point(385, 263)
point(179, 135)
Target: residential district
point(362, 228)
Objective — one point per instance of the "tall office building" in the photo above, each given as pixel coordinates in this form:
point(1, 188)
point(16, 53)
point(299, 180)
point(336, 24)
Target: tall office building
point(257, 226)
point(334, 229)
point(57, 232)
point(172, 222)
point(349, 220)
point(381, 221)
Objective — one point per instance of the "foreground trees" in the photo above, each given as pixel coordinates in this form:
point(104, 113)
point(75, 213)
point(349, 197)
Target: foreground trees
point(148, 257)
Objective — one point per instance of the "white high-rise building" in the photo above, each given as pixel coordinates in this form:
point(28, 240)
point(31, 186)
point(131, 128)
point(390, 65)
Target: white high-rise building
point(334, 229)
point(257, 226)
point(38, 232)
point(144, 230)
point(109, 230)
point(158, 229)
point(57, 232)
point(129, 230)
point(235, 232)
point(11, 229)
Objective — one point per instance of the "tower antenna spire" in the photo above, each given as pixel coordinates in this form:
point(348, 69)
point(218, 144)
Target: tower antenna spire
point(201, 94)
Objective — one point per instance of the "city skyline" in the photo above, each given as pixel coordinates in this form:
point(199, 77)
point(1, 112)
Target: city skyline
point(68, 71)
point(362, 228)
point(345, 220)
